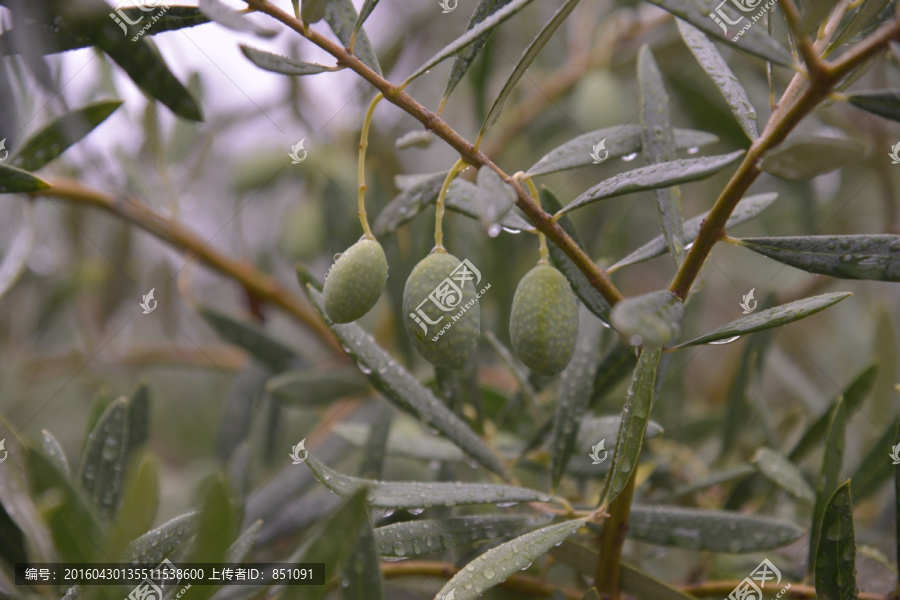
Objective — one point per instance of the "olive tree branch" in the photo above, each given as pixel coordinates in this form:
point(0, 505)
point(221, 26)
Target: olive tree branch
point(796, 102)
point(542, 220)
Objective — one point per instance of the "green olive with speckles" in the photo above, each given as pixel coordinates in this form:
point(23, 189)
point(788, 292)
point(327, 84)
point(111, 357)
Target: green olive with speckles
point(543, 324)
point(445, 338)
point(355, 281)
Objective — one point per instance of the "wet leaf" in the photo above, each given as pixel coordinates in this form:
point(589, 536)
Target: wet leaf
point(484, 9)
point(362, 578)
point(341, 17)
point(101, 472)
point(835, 573)
point(140, 500)
point(715, 67)
point(620, 140)
point(233, 20)
point(400, 387)
point(375, 442)
point(808, 156)
point(875, 257)
point(650, 319)
point(588, 294)
point(574, 394)
point(17, 181)
point(725, 476)
point(783, 473)
point(872, 471)
point(242, 546)
point(528, 56)
point(462, 198)
point(471, 35)
point(754, 40)
point(54, 452)
point(884, 103)
point(254, 340)
point(635, 415)
point(741, 408)
point(415, 494)
point(769, 318)
point(160, 543)
point(747, 209)
point(314, 387)
point(364, 12)
point(217, 529)
point(418, 192)
point(403, 443)
point(829, 476)
point(497, 564)
point(15, 259)
point(652, 177)
point(431, 536)
point(281, 64)
point(493, 197)
point(414, 139)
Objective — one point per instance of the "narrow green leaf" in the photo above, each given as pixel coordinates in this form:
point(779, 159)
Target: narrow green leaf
point(416, 495)
point(829, 476)
point(62, 132)
point(658, 146)
point(15, 259)
point(593, 428)
point(807, 156)
point(101, 473)
point(835, 573)
point(711, 530)
point(497, 564)
point(276, 63)
point(362, 578)
point(747, 209)
point(741, 409)
point(528, 56)
point(341, 17)
point(588, 294)
point(635, 415)
point(875, 257)
point(493, 197)
point(254, 340)
point(650, 319)
point(419, 191)
point(54, 451)
point(364, 12)
point(313, 11)
point(783, 473)
point(471, 35)
point(619, 140)
point(419, 445)
point(375, 442)
point(853, 396)
point(462, 197)
point(884, 103)
point(400, 387)
point(138, 417)
point(313, 387)
point(140, 500)
point(739, 472)
point(242, 546)
point(17, 181)
point(754, 40)
point(160, 543)
point(233, 20)
point(769, 318)
point(415, 139)
point(872, 470)
point(864, 15)
point(575, 385)
point(896, 452)
point(484, 9)
point(217, 528)
point(717, 69)
point(656, 176)
point(431, 536)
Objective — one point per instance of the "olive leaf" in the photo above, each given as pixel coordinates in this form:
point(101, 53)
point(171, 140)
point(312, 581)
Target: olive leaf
point(497, 564)
point(462, 197)
point(741, 408)
point(783, 473)
point(746, 209)
point(655, 176)
point(254, 340)
point(650, 319)
point(159, 543)
point(314, 387)
point(417, 192)
point(101, 472)
point(528, 56)
point(140, 501)
point(55, 452)
point(405, 391)
point(417, 495)
point(362, 571)
point(715, 67)
point(658, 146)
point(835, 573)
point(217, 529)
point(242, 546)
point(754, 40)
point(418, 538)
point(233, 20)
point(769, 318)
point(875, 257)
point(341, 17)
point(635, 415)
point(403, 443)
point(864, 15)
point(884, 103)
point(739, 472)
point(484, 9)
point(17, 181)
point(806, 156)
point(280, 64)
point(364, 12)
point(872, 471)
point(493, 197)
point(619, 140)
point(829, 476)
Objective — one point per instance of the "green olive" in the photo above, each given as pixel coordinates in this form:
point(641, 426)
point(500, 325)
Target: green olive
point(355, 281)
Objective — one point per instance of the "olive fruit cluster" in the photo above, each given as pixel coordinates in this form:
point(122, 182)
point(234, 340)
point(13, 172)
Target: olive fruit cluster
point(355, 281)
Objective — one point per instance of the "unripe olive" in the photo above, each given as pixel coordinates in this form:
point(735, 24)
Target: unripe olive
point(355, 281)
point(445, 338)
point(543, 325)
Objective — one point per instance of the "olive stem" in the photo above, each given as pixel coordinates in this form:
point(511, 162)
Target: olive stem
point(458, 166)
point(545, 252)
point(361, 169)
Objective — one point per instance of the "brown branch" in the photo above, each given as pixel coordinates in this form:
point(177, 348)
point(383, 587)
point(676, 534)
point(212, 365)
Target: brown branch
point(542, 220)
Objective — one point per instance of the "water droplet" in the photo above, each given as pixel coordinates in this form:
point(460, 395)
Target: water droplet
point(488, 573)
point(384, 512)
point(726, 340)
point(415, 511)
point(636, 340)
point(494, 230)
point(505, 504)
point(434, 464)
point(511, 230)
point(336, 256)
point(693, 150)
point(630, 157)
point(365, 370)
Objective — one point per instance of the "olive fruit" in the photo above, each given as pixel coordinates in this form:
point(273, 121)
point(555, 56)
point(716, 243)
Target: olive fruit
point(543, 324)
point(354, 283)
point(441, 312)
